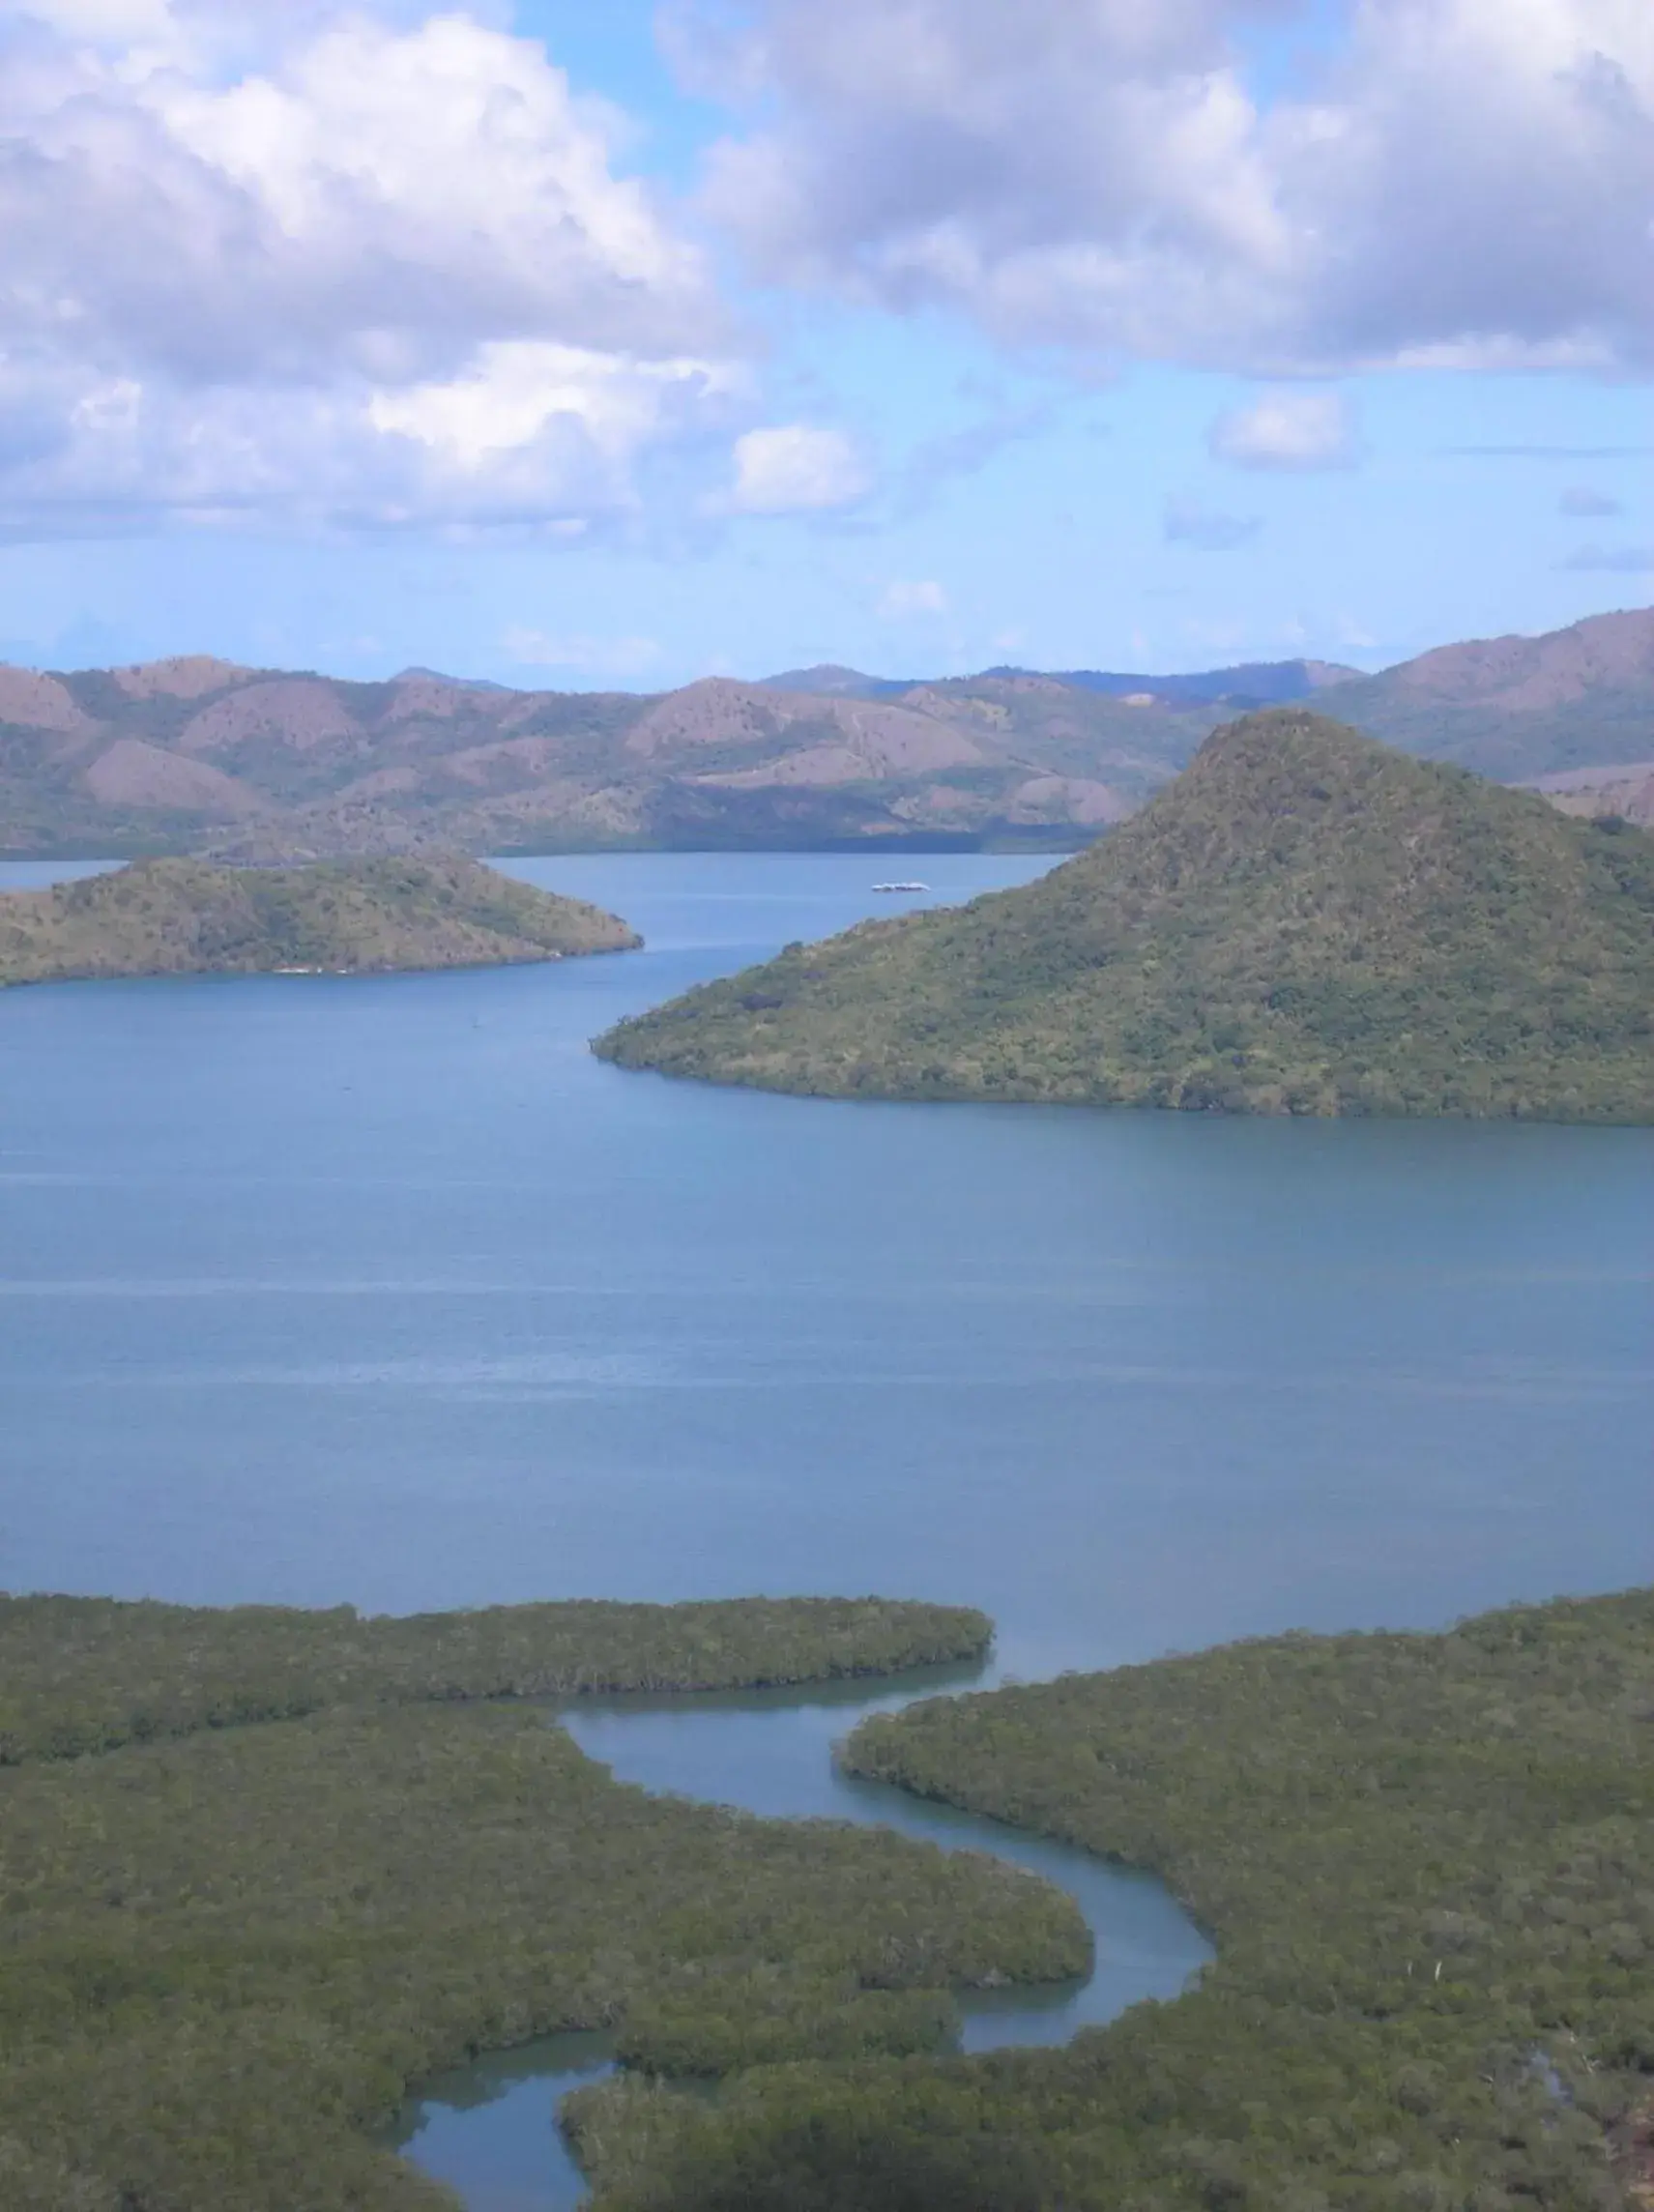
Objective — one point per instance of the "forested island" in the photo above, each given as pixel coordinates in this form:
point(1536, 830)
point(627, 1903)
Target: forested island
point(1305, 922)
point(185, 917)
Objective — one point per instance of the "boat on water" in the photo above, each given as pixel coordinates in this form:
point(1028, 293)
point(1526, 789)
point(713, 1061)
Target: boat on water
point(901, 887)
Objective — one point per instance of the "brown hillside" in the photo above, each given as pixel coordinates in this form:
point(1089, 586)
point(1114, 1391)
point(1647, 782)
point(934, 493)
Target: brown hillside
point(313, 766)
point(133, 775)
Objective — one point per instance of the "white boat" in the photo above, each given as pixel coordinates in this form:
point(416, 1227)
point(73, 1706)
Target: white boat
point(901, 887)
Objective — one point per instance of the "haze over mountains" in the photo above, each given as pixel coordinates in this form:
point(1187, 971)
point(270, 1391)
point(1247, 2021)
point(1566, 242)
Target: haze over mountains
point(1251, 684)
point(201, 755)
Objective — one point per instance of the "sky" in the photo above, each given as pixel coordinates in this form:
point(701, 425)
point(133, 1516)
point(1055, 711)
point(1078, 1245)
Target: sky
point(602, 345)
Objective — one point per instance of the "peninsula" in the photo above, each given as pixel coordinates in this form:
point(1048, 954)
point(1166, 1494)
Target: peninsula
point(1305, 922)
point(185, 917)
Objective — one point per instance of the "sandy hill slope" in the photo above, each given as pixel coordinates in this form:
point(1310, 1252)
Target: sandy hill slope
point(1306, 922)
point(178, 917)
point(1517, 708)
point(1626, 790)
point(267, 765)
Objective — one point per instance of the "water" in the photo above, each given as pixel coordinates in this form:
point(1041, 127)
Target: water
point(384, 1290)
point(490, 2129)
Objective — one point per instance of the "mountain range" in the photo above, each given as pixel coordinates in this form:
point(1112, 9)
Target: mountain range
point(201, 755)
point(1306, 922)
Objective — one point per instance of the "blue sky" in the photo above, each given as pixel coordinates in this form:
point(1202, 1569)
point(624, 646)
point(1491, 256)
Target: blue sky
point(619, 348)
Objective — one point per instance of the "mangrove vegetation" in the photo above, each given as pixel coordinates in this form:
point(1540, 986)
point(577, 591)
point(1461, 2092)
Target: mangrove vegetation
point(1428, 1862)
point(227, 1951)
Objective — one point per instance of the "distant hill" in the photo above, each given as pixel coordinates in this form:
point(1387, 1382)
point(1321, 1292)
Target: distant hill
point(1516, 707)
point(1251, 683)
point(828, 679)
point(440, 676)
point(1304, 923)
point(1627, 790)
point(1256, 683)
point(180, 917)
point(267, 766)
point(206, 756)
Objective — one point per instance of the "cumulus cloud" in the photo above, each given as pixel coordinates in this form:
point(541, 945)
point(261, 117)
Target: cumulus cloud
point(1612, 560)
point(1580, 499)
point(390, 273)
point(1535, 453)
point(602, 655)
point(796, 469)
point(1206, 529)
point(1287, 431)
point(901, 601)
point(1469, 183)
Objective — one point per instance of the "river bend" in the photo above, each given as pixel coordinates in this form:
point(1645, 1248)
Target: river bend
point(489, 2129)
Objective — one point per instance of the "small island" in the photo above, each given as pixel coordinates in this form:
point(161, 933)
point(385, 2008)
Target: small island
point(355, 918)
point(1304, 923)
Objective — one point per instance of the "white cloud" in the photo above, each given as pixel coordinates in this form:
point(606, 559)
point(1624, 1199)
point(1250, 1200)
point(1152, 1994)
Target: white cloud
point(1187, 523)
point(1612, 560)
point(796, 469)
point(1287, 431)
point(901, 601)
point(1469, 184)
point(386, 275)
point(602, 655)
point(1580, 499)
point(513, 394)
point(122, 22)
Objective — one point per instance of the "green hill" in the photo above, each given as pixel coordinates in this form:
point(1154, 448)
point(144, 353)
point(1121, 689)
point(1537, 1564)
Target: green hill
point(180, 918)
point(1304, 923)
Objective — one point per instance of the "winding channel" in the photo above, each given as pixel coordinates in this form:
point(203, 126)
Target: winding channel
point(489, 2130)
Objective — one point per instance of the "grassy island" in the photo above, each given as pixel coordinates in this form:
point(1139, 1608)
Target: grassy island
point(187, 918)
point(1305, 922)
point(260, 1871)
point(1429, 1865)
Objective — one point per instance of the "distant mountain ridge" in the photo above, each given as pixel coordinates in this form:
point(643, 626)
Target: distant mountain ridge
point(1517, 708)
point(1306, 922)
point(1258, 682)
point(196, 754)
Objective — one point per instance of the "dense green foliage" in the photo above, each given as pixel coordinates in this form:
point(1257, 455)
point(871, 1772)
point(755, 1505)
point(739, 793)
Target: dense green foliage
point(1304, 923)
point(175, 918)
point(80, 1674)
point(226, 1956)
point(1429, 1863)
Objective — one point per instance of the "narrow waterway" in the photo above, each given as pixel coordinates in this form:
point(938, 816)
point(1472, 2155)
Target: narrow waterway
point(489, 2129)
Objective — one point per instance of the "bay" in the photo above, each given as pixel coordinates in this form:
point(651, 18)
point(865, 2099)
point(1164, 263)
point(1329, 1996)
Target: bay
point(383, 1291)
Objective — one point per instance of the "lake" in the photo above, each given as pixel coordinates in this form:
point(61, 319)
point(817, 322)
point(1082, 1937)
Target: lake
point(384, 1290)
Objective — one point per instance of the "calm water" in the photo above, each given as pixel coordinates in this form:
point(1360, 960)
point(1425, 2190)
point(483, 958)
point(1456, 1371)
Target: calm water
point(490, 2129)
point(384, 1290)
